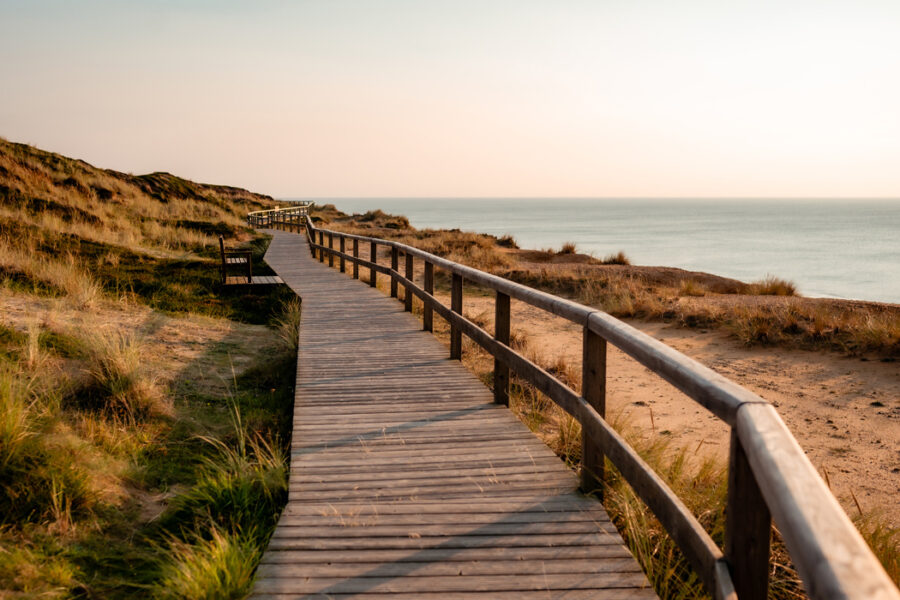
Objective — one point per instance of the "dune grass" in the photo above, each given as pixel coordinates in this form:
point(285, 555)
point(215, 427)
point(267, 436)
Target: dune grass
point(288, 325)
point(115, 381)
point(567, 248)
point(617, 258)
point(773, 286)
point(114, 482)
point(75, 472)
point(217, 566)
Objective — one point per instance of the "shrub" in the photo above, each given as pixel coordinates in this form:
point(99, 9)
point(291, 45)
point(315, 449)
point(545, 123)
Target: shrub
point(773, 286)
point(242, 488)
point(507, 241)
point(117, 382)
point(619, 258)
point(16, 407)
point(884, 540)
point(38, 480)
point(691, 287)
point(216, 567)
point(567, 248)
point(288, 325)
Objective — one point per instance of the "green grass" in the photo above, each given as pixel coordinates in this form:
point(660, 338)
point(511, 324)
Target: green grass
point(218, 566)
point(224, 456)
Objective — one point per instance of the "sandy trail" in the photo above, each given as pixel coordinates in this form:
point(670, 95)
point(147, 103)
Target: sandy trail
point(844, 412)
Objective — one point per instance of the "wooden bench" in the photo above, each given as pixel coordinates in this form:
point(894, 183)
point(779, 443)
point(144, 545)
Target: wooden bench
point(241, 260)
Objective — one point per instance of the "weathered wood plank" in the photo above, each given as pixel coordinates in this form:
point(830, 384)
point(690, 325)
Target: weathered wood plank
point(472, 583)
point(602, 594)
point(457, 568)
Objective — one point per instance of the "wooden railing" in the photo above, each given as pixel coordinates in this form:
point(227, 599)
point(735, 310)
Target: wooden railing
point(769, 476)
point(290, 215)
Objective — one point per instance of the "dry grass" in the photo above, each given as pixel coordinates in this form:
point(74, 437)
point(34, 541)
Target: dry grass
point(63, 275)
point(116, 379)
point(217, 565)
point(567, 248)
point(773, 286)
point(618, 258)
point(655, 293)
point(47, 200)
point(692, 287)
point(92, 440)
point(288, 325)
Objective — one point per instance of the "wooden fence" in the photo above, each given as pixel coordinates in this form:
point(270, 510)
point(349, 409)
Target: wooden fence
point(294, 215)
point(769, 476)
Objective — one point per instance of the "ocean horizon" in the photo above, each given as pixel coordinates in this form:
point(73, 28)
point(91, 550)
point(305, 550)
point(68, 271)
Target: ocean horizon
point(836, 248)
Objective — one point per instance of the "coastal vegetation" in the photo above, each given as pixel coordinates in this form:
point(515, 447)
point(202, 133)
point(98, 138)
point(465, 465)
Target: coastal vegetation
point(144, 409)
point(766, 312)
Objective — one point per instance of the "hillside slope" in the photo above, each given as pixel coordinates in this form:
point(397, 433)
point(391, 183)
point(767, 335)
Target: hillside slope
point(70, 229)
point(45, 194)
point(144, 407)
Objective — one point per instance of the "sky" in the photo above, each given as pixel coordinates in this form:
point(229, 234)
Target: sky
point(401, 98)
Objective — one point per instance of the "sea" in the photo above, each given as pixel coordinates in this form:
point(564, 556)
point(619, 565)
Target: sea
point(829, 248)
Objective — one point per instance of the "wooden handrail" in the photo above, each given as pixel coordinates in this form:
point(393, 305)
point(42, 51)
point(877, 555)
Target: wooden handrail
point(768, 471)
point(283, 216)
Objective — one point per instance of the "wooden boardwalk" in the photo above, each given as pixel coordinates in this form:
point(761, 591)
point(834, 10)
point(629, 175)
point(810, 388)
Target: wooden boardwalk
point(407, 481)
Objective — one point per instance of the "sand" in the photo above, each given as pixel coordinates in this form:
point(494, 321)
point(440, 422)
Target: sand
point(844, 412)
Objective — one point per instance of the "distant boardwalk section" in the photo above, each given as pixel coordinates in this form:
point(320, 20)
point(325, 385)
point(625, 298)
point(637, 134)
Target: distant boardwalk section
point(407, 480)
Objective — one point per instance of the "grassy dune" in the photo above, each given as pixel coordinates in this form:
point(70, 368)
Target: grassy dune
point(142, 437)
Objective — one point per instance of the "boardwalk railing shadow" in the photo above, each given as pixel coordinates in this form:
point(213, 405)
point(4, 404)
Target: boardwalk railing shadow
point(360, 438)
point(459, 555)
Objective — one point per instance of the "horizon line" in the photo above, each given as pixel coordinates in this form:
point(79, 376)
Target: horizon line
point(333, 198)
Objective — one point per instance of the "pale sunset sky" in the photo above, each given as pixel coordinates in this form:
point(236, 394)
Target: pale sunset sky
point(561, 98)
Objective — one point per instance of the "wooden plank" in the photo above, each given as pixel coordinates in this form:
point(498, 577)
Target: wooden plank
point(441, 530)
point(442, 554)
point(457, 568)
point(604, 594)
point(472, 583)
point(552, 540)
point(455, 518)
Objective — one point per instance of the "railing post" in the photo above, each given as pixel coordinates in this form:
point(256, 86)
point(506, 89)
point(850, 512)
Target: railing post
point(356, 256)
point(456, 299)
point(330, 249)
point(373, 257)
point(395, 264)
point(748, 527)
point(321, 247)
point(501, 334)
point(593, 389)
point(343, 249)
point(408, 295)
point(427, 311)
